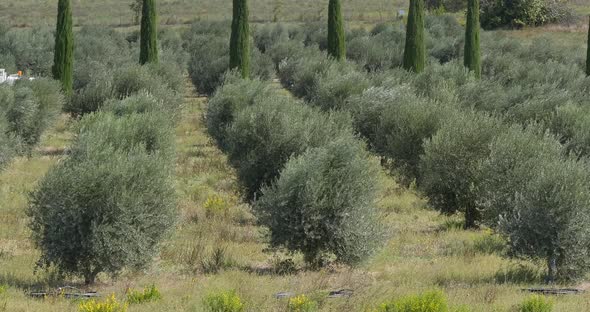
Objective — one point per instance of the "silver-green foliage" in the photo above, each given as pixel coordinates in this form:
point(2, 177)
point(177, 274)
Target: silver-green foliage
point(231, 97)
point(515, 157)
point(550, 218)
point(263, 137)
point(448, 168)
point(109, 204)
point(396, 123)
point(30, 109)
point(323, 204)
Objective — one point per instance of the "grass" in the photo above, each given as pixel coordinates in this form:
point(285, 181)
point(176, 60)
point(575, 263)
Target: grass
point(425, 251)
point(174, 12)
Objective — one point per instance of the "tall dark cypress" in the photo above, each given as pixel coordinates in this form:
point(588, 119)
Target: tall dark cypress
point(472, 53)
point(149, 33)
point(239, 45)
point(588, 52)
point(63, 58)
point(415, 50)
point(336, 36)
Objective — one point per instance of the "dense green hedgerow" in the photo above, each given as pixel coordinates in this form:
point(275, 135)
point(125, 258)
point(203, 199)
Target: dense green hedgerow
point(323, 204)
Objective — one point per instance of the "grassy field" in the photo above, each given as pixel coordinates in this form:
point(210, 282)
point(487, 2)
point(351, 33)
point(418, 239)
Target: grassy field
point(117, 12)
point(425, 250)
point(216, 230)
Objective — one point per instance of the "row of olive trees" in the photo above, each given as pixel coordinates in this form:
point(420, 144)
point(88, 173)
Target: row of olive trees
point(311, 181)
point(63, 65)
point(109, 204)
point(464, 160)
point(514, 178)
point(26, 111)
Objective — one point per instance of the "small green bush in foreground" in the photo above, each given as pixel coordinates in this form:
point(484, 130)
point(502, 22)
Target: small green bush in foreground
point(226, 301)
point(536, 303)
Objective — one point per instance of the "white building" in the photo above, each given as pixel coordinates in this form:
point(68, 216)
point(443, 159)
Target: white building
point(9, 79)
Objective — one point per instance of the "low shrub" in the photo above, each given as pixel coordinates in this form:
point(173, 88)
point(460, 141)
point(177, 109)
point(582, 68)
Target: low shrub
point(302, 303)
point(374, 54)
point(101, 44)
point(110, 304)
point(215, 206)
point(536, 303)
point(134, 79)
point(322, 204)
point(140, 103)
point(226, 301)
point(32, 49)
point(148, 294)
point(433, 301)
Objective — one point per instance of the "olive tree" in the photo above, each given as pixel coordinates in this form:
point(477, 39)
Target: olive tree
point(323, 204)
point(108, 205)
point(550, 219)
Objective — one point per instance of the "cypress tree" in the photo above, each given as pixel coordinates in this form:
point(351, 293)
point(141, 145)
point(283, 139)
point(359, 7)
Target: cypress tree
point(239, 46)
point(63, 58)
point(336, 37)
point(588, 52)
point(415, 50)
point(149, 33)
point(472, 54)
